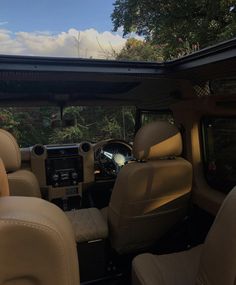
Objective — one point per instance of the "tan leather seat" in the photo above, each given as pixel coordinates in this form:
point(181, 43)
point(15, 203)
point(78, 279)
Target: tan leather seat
point(88, 224)
point(151, 194)
point(37, 244)
point(4, 186)
point(213, 263)
point(21, 182)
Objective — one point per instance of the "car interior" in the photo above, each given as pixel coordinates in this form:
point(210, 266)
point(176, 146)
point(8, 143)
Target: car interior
point(157, 209)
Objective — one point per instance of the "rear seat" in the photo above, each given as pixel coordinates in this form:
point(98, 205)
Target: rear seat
point(170, 269)
point(213, 263)
point(4, 187)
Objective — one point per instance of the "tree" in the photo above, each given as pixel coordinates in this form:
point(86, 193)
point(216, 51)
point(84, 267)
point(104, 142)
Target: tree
point(9, 122)
point(140, 51)
point(28, 124)
point(180, 26)
point(31, 125)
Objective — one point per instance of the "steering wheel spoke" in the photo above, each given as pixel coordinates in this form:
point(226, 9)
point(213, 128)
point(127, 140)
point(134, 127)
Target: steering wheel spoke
point(113, 155)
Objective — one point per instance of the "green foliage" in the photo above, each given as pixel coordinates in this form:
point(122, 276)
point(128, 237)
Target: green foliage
point(28, 124)
point(8, 122)
point(43, 125)
point(140, 51)
point(111, 127)
point(67, 135)
point(179, 26)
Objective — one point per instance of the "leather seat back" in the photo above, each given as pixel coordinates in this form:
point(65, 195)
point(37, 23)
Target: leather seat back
point(218, 259)
point(21, 182)
point(4, 186)
point(37, 242)
point(151, 194)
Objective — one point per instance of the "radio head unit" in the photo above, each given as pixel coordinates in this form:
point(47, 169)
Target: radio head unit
point(64, 166)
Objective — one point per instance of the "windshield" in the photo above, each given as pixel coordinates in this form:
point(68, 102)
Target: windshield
point(114, 29)
point(44, 125)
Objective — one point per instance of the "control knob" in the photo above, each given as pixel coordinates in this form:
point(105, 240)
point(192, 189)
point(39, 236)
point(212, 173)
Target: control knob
point(74, 175)
point(55, 177)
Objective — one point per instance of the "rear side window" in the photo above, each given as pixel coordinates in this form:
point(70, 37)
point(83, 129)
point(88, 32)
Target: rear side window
point(144, 117)
point(219, 142)
point(148, 117)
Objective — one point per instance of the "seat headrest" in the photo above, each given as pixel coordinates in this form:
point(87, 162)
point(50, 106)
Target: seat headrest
point(4, 187)
point(9, 151)
point(157, 140)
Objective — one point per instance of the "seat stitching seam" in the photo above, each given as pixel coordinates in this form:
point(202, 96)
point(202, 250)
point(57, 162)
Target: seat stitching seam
point(43, 228)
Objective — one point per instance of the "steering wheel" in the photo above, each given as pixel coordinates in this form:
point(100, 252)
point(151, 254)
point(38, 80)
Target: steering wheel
point(113, 155)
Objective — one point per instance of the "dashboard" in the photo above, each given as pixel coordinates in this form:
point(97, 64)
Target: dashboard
point(67, 170)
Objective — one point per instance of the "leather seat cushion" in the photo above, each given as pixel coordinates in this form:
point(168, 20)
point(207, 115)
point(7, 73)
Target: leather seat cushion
point(157, 140)
point(88, 224)
point(171, 269)
point(37, 244)
point(4, 187)
point(23, 183)
point(9, 151)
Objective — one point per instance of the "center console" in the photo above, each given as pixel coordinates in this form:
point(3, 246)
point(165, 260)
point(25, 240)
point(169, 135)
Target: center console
point(64, 166)
point(63, 172)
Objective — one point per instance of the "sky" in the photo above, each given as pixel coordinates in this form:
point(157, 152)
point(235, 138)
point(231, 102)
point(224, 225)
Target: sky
point(68, 28)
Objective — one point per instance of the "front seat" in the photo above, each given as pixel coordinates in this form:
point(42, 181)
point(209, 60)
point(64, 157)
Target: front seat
point(37, 244)
point(213, 263)
point(151, 194)
point(21, 182)
point(4, 186)
point(88, 225)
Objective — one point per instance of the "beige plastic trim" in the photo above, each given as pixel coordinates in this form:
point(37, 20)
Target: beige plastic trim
point(189, 114)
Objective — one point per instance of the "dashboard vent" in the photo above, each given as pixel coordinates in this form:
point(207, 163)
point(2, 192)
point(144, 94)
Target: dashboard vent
point(85, 146)
point(39, 150)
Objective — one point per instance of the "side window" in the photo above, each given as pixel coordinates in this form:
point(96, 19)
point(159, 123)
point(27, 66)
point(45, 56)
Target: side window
point(155, 116)
point(219, 144)
point(147, 116)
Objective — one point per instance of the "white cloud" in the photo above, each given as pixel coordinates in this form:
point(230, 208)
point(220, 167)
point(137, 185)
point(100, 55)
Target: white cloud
point(73, 43)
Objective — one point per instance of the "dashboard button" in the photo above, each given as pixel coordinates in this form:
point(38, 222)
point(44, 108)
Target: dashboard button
point(55, 177)
point(74, 175)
